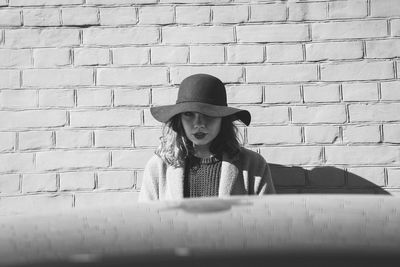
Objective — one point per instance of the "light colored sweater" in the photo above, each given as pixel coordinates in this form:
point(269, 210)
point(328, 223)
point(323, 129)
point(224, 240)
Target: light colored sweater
point(245, 174)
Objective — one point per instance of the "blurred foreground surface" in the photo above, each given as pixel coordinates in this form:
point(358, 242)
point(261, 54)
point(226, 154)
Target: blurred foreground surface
point(281, 230)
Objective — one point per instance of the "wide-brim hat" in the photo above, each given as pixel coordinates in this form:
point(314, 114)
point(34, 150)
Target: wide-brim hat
point(204, 94)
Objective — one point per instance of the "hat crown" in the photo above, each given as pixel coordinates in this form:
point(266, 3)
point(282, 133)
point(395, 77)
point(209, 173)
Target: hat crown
point(202, 88)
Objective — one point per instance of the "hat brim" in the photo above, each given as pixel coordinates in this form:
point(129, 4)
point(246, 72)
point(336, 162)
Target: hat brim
point(165, 113)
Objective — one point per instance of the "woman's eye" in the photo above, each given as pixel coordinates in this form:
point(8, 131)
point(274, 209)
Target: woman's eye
point(188, 114)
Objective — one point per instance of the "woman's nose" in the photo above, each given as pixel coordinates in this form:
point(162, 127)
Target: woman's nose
point(198, 119)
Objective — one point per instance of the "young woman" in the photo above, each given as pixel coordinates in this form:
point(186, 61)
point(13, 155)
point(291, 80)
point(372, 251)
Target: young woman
point(199, 154)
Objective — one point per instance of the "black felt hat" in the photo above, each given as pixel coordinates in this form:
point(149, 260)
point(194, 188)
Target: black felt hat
point(204, 94)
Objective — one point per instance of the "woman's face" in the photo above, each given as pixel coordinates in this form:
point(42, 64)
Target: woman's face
point(200, 129)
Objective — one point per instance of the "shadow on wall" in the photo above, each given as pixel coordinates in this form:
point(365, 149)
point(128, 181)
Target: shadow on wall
point(321, 180)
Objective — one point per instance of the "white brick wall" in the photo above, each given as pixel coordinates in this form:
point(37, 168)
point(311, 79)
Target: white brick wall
point(77, 78)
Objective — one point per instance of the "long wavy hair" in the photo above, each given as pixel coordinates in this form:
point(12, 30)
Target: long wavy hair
point(175, 147)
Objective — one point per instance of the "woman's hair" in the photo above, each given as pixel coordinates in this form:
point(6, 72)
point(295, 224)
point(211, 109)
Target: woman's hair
point(175, 147)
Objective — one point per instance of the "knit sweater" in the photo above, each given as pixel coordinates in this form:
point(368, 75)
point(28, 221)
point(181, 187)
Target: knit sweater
point(247, 173)
point(202, 177)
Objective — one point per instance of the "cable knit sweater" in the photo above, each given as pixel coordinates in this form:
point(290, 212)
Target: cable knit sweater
point(245, 174)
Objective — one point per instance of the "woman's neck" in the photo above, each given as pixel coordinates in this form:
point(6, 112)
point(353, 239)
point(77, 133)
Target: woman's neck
point(202, 152)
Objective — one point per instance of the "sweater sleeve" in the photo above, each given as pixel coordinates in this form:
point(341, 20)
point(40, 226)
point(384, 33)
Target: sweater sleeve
point(267, 183)
point(150, 183)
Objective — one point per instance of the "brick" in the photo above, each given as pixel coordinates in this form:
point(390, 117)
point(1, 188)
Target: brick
point(18, 99)
point(333, 51)
point(268, 12)
point(245, 53)
point(374, 112)
point(3, 2)
point(56, 98)
point(115, 180)
point(395, 27)
point(35, 140)
point(280, 73)
point(20, 38)
point(319, 114)
point(75, 181)
point(244, 94)
point(113, 138)
point(131, 97)
point(132, 159)
point(269, 115)
point(383, 48)
point(131, 55)
point(164, 96)
point(347, 9)
point(321, 134)
point(44, 2)
point(132, 76)
point(305, 155)
point(207, 54)
point(42, 17)
point(273, 33)
point(390, 90)
point(118, 16)
point(91, 56)
point(36, 204)
point(73, 139)
point(9, 183)
point(15, 58)
point(282, 93)
point(51, 57)
point(10, 17)
point(32, 119)
point(321, 93)
point(146, 137)
point(139, 179)
point(230, 14)
point(352, 155)
point(7, 141)
point(80, 16)
point(198, 34)
point(149, 119)
point(360, 91)
point(391, 133)
point(227, 74)
point(57, 77)
point(193, 14)
point(169, 54)
point(115, 117)
point(361, 134)
point(393, 177)
point(46, 182)
point(284, 53)
point(156, 15)
point(93, 98)
point(12, 162)
point(287, 176)
point(352, 71)
point(273, 135)
point(9, 79)
point(120, 36)
point(120, 2)
point(384, 8)
point(349, 29)
point(60, 160)
point(104, 199)
point(365, 177)
point(307, 11)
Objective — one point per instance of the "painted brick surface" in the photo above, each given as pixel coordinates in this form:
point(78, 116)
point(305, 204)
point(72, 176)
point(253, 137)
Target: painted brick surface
point(77, 80)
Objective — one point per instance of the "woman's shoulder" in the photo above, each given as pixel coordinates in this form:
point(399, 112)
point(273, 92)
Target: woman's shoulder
point(251, 156)
point(155, 161)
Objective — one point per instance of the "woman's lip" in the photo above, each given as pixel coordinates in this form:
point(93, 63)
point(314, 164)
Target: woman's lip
point(199, 135)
